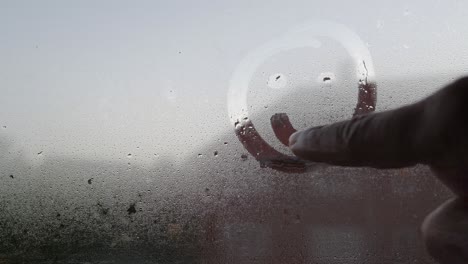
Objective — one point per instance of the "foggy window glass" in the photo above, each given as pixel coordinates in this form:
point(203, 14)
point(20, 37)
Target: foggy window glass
point(154, 132)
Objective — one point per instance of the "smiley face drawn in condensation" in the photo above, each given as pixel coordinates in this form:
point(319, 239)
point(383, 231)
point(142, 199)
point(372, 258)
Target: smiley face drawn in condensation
point(302, 37)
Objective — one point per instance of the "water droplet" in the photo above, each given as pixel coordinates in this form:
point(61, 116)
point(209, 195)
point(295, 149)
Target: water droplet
point(380, 24)
point(266, 106)
point(131, 209)
point(216, 153)
point(326, 77)
point(244, 157)
point(297, 219)
point(277, 81)
point(200, 155)
point(90, 181)
point(225, 143)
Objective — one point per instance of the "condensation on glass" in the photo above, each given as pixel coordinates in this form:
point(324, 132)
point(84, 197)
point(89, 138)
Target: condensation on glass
point(124, 129)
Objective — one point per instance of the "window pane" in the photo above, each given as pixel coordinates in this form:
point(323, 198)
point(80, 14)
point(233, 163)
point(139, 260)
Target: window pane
point(141, 133)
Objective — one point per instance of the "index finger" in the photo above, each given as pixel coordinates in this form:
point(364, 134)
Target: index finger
point(380, 140)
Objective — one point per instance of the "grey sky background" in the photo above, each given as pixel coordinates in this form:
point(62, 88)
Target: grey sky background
point(101, 79)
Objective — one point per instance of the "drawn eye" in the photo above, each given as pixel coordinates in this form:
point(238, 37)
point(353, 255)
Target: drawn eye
point(326, 77)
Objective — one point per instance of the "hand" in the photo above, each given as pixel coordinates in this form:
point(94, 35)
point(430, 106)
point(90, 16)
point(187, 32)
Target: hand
point(433, 131)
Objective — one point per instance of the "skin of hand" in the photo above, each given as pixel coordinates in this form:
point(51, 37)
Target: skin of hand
point(433, 131)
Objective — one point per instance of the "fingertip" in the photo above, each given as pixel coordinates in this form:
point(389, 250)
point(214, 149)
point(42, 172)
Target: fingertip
point(293, 138)
point(301, 142)
point(293, 144)
point(312, 144)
